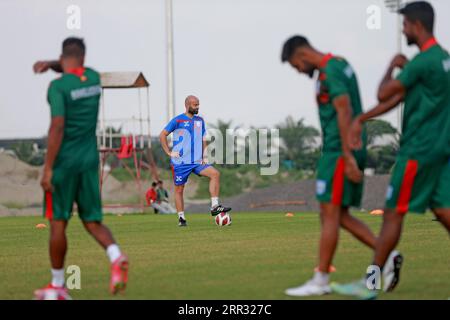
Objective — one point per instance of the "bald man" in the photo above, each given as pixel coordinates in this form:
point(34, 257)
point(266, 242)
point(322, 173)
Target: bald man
point(188, 155)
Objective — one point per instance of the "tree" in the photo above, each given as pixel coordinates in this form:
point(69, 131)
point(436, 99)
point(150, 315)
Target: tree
point(381, 157)
point(27, 152)
point(299, 142)
point(378, 128)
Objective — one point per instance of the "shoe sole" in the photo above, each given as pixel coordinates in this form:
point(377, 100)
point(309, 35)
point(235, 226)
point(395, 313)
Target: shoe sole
point(308, 295)
point(398, 261)
point(215, 214)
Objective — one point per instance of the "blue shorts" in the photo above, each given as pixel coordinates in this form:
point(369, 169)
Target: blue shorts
point(181, 172)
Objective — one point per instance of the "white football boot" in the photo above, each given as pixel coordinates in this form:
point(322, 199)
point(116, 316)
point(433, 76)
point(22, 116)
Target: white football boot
point(310, 288)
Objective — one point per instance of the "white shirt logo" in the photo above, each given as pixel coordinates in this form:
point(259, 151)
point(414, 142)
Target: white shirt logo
point(446, 64)
point(321, 187)
point(389, 192)
point(348, 71)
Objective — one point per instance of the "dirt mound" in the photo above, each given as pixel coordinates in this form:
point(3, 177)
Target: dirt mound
point(21, 191)
point(261, 199)
point(19, 183)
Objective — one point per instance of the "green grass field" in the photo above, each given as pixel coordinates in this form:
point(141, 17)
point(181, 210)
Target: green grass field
point(257, 257)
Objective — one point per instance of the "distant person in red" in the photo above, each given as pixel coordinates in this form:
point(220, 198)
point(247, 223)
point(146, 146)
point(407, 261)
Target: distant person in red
point(151, 196)
point(157, 201)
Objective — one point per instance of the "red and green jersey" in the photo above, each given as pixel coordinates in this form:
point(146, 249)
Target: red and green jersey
point(426, 119)
point(75, 96)
point(336, 78)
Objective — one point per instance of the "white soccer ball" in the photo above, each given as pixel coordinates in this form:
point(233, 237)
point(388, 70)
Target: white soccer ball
point(223, 219)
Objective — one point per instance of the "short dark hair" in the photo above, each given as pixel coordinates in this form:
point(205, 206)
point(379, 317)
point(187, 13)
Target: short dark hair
point(160, 181)
point(291, 45)
point(154, 184)
point(73, 47)
point(421, 11)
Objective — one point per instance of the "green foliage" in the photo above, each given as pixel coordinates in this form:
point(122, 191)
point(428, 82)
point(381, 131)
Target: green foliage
point(381, 157)
point(26, 152)
point(378, 128)
point(299, 144)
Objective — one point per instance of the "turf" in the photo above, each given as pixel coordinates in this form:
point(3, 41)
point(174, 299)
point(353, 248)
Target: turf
point(257, 257)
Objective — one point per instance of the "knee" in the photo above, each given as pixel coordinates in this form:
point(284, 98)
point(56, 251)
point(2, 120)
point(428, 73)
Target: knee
point(343, 219)
point(216, 174)
point(179, 191)
point(441, 213)
point(91, 226)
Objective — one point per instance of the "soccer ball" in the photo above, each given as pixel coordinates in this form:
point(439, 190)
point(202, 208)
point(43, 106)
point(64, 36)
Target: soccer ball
point(223, 219)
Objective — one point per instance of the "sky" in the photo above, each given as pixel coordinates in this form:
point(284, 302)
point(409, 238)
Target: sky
point(226, 52)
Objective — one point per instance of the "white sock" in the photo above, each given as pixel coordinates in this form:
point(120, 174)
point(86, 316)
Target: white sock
point(113, 252)
point(214, 201)
point(321, 278)
point(58, 277)
point(181, 215)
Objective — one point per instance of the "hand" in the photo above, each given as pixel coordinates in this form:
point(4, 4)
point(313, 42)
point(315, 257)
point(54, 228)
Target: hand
point(41, 66)
point(46, 181)
point(351, 169)
point(399, 61)
point(205, 160)
point(174, 154)
point(354, 134)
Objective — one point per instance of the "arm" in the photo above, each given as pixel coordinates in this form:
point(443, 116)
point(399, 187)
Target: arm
point(165, 145)
point(389, 86)
point(43, 66)
point(55, 137)
point(342, 104)
point(344, 117)
point(355, 130)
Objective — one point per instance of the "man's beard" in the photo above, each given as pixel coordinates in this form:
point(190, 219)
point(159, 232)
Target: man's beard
point(193, 111)
point(411, 41)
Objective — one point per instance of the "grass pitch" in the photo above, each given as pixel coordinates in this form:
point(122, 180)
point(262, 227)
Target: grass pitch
point(257, 257)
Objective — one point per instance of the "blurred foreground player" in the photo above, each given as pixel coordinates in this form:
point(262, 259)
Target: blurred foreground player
point(421, 175)
point(71, 166)
point(339, 182)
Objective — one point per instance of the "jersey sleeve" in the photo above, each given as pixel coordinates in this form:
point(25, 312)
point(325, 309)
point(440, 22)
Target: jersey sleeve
point(55, 99)
point(411, 73)
point(336, 82)
point(171, 126)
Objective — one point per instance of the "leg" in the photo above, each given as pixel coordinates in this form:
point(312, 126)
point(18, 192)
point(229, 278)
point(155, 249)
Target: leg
point(100, 232)
point(90, 211)
point(357, 228)
point(214, 182)
point(158, 207)
point(179, 202)
point(58, 243)
point(330, 216)
point(166, 208)
point(119, 262)
point(443, 216)
point(57, 249)
point(389, 236)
